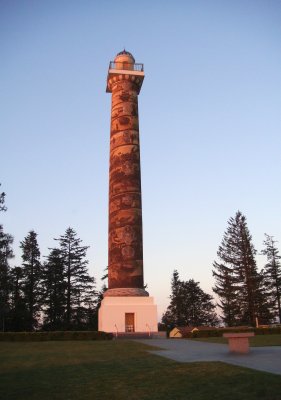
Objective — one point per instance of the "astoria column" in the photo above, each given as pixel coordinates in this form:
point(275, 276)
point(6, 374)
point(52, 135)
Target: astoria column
point(125, 244)
point(125, 250)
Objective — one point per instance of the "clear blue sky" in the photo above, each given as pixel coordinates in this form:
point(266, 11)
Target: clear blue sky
point(209, 124)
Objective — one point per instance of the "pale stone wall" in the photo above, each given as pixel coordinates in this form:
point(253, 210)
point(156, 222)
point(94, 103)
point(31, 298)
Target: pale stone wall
point(113, 309)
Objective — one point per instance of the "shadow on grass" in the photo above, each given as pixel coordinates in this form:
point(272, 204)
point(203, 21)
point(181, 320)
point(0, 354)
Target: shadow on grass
point(121, 370)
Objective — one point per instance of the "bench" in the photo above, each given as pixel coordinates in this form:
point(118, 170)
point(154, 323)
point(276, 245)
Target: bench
point(238, 342)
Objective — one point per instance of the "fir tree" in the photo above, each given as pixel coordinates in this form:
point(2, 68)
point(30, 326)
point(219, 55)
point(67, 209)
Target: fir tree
point(18, 316)
point(31, 278)
point(100, 295)
point(174, 314)
point(54, 291)
point(6, 253)
point(199, 306)
point(238, 282)
point(2, 201)
point(105, 275)
point(272, 272)
point(264, 301)
point(227, 290)
point(176, 307)
point(80, 287)
point(189, 305)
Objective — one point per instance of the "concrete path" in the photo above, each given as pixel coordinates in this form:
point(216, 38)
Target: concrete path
point(260, 358)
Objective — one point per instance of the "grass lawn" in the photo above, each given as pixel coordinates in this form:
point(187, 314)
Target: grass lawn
point(256, 341)
point(121, 370)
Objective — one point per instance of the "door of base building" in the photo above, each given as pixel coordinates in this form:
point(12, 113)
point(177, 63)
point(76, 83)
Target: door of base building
point(129, 322)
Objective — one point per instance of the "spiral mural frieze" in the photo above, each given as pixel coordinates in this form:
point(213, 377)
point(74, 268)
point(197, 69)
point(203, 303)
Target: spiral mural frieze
point(125, 213)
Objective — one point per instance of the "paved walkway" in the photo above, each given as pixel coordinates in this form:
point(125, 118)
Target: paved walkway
point(260, 358)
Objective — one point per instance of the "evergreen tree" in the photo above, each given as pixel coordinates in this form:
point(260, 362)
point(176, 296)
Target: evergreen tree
point(190, 305)
point(100, 295)
point(6, 253)
point(199, 307)
point(54, 291)
point(80, 287)
point(31, 278)
point(227, 290)
point(238, 283)
point(99, 298)
point(264, 301)
point(2, 201)
point(272, 272)
point(18, 316)
point(105, 275)
point(175, 313)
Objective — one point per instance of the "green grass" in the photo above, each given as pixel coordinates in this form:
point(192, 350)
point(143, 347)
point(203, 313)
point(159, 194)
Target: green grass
point(256, 341)
point(121, 370)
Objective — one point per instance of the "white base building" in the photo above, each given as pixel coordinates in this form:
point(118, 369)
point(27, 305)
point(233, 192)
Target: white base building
point(128, 314)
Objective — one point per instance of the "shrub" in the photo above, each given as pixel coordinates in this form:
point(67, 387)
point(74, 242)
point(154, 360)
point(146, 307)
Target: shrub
point(55, 335)
point(219, 332)
point(268, 331)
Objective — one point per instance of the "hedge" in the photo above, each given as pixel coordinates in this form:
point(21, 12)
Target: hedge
point(268, 331)
point(220, 332)
point(54, 335)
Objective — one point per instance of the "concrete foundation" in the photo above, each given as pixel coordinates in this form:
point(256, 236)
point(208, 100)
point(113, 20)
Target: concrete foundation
point(128, 314)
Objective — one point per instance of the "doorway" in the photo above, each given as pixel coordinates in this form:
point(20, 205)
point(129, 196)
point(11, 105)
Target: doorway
point(129, 322)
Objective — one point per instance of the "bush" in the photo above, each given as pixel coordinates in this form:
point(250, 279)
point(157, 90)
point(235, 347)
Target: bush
point(219, 332)
point(268, 331)
point(55, 335)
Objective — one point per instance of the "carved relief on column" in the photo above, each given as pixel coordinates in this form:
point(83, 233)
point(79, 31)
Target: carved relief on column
point(125, 214)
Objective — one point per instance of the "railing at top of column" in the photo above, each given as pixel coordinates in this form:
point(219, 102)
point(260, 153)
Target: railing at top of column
point(125, 65)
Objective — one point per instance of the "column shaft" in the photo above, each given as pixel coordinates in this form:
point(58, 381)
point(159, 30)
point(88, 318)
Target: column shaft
point(125, 258)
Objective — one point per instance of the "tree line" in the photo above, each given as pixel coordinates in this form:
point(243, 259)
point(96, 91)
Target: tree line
point(60, 294)
point(246, 296)
point(56, 294)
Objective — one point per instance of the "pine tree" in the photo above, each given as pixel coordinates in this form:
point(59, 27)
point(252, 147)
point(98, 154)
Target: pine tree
point(272, 272)
point(31, 278)
point(54, 291)
point(80, 287)
point(189, 305)
point(238, 282)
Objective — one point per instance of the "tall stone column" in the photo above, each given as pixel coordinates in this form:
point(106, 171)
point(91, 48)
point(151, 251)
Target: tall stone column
point(125, 249)
point(126, 307)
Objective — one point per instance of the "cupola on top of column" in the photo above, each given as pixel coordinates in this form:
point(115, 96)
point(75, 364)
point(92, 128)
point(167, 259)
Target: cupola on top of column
point(124, 60)
point(124, 67)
